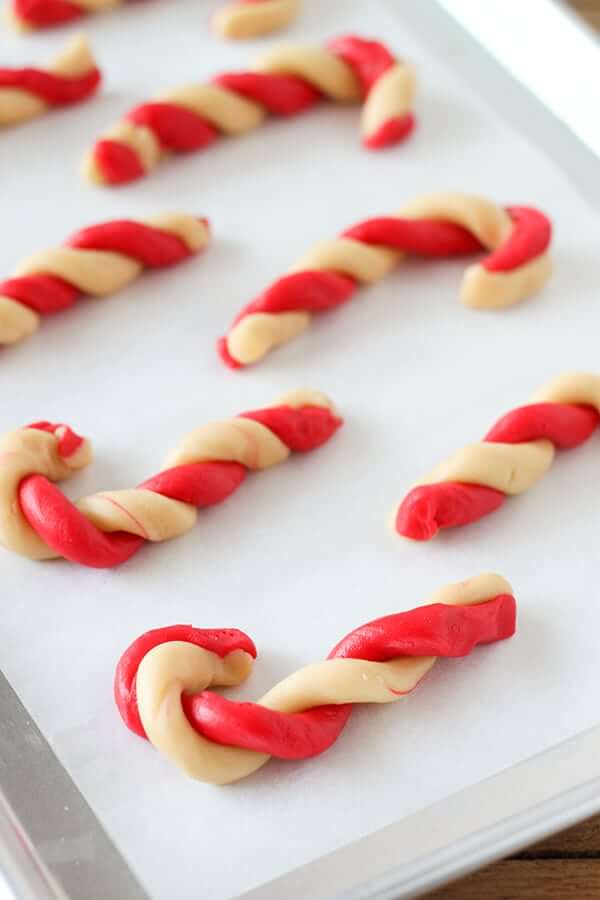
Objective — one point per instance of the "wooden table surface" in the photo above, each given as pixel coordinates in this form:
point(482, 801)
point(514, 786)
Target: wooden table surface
point(566, 866)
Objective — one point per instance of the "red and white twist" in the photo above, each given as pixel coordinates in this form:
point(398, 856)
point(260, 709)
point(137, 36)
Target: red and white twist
point(27, 15)
point(512, 457)
point(162, 681)
point(285, 81)
point(26, 93)
point(436, 226)
point(103, 530)
point(98, 260)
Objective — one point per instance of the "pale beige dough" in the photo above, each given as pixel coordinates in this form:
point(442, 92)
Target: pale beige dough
point(23, 453)
point(392, 95)
point(393, 98)
point(326, 71)
point(496, 290)
point(257, 334)
point(572, 387)
point(514, 468)
point(17, 104)
point(177, 667)
point(89, 6)
point(247, 20)
point(511, 468)
point(95, 272)
point(362, 262)
point(228, 111)
point(135, 511)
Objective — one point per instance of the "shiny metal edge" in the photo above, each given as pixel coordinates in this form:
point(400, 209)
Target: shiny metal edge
point(554, 789)
point(511, 99)
point(449, 839)
point(52, 846)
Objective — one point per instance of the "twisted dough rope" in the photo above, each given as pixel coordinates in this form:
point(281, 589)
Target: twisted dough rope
point(105, 529)
point(251, 18)
point(25, 15)
point(284, 82)
point(161, 681)
point(98, 260)
point(436, 225)
point(26, 93)
point(515, 454)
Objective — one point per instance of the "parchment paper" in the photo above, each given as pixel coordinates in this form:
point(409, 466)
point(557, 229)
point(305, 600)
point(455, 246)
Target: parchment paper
point(300, 555)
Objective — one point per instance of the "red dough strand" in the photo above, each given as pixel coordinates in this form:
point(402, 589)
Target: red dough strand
point(152, 247)
point(281, 95)
point(178, 129)
point(370, 60)
point(434, 630)
point(64, 528)
point(218, 640)
point(118, 162)
point(46, 13)
point(68, 440)
point(317, 291)
point(391, 132)
point(53, 89)
point(529, 238)
point(431, 507)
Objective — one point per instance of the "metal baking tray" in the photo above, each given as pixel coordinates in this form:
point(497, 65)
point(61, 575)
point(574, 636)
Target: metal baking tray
point(52, 844)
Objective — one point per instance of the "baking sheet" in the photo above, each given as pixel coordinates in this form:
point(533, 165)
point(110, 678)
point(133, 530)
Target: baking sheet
point(300, 555)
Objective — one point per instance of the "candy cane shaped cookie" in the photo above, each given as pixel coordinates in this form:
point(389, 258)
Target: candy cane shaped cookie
point(284, 82)
point(437, 226)
point(105, 529)
point(162, 681)
point(25, 15)
point(26, 93)
point(513, 456)
point(251, 18)
point(98, 260)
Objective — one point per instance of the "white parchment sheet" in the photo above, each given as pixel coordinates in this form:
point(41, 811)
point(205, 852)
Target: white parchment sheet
point(301, 554)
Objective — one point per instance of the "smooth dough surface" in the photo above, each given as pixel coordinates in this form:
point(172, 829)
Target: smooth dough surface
point(246, 20)
point(137, 511)
point(175, 667)
point(18, 105)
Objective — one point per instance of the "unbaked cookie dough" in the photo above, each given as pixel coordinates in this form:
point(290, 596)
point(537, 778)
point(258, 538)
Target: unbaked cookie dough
point(98, 260)
point(285, 81)
point(252, 18)
point(38, 521)
point(512, 457)
point(26, 93)
point(435, 225)
point(163, 679)
point(26, 15)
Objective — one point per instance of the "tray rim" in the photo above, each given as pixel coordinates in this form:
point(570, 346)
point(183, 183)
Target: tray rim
point(519, 805)
point(394, 862)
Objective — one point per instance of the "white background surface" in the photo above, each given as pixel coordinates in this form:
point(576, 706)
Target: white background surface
point(300, 555)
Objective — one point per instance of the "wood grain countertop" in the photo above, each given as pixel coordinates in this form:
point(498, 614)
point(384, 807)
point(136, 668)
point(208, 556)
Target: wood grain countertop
point(566, 866)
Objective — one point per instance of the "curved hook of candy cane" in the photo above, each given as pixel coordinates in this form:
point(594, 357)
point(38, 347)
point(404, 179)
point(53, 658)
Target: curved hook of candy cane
point(253, 18)
point(98, 260)
point(285, 81)
point(514, 455)
point(162, 681)
point(27, 15)
point(436, 226)
point(28, 92)
point(106, 529)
